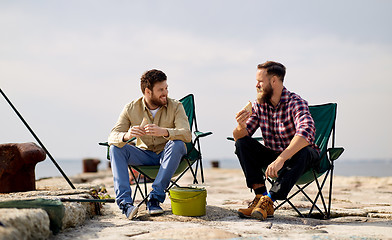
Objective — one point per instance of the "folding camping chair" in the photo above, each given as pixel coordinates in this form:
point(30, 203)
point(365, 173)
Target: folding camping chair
point(192, 161)
point(324, 117)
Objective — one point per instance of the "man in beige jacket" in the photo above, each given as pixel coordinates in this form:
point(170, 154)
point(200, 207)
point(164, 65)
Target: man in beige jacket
point(159, 142)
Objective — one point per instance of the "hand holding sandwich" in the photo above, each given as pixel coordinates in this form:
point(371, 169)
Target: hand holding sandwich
point(243, 115)
point(136, 131)
point(154, 130)
point(241, 118)
point(145, 129)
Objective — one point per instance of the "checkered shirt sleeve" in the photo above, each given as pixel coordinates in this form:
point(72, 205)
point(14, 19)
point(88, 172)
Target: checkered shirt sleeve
point(303, 121)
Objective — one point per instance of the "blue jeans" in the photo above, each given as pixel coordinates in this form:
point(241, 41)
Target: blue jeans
point(168, 160)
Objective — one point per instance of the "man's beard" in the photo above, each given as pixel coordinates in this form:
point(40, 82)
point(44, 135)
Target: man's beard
point(266, 95)
point(157, 101)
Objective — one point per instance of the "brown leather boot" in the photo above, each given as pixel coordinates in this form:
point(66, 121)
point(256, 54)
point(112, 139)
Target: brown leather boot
point(264, 208)
point(246, 212)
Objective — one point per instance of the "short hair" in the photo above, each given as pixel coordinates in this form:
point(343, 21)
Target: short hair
point(273, 68)
point(151, 77)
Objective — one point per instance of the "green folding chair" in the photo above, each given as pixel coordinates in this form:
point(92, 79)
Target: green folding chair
point(324, 117)
point(192, 161)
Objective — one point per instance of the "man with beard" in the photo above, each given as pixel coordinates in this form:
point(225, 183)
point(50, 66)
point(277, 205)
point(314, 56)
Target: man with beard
point(160, 142)
point(288, 132)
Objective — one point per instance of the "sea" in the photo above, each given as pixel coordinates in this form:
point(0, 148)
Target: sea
point(369, 168)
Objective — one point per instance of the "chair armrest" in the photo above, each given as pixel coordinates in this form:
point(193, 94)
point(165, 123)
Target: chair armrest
point(334, 153)
point(106, 144)
point(256, 138)
point(195, 141)
point(199, 134)
point(130, 140)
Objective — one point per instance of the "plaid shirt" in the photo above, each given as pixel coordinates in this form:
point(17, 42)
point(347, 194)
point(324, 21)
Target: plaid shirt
point(279, 125)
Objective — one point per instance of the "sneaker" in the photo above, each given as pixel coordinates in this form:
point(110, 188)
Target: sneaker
point(129, 210)
point(263, 209)
point(246, 212)
point(153, 207)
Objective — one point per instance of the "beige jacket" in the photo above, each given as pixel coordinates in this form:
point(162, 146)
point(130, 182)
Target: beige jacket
point(171, 116)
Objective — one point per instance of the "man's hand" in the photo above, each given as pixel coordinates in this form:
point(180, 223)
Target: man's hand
point(240, 131)
point(154, 130)
point(241, 117)
point(135, 131)
point(296, 144)
point(274, 167)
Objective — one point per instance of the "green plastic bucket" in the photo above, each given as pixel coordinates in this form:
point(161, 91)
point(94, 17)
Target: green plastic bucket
point(187, 201)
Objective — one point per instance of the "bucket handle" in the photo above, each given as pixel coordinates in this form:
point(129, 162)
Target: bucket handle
point(186, 199)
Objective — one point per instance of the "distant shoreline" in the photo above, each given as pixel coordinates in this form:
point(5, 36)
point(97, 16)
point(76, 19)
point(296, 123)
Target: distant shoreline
point(367, 168)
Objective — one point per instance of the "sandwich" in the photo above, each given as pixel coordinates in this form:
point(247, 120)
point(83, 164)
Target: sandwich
point(248, 107)
point(144, 122)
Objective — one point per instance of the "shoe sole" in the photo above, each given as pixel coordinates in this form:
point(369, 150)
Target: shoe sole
point(133, 213)
point(259, 215)
point(155, 212)
point(241, 215)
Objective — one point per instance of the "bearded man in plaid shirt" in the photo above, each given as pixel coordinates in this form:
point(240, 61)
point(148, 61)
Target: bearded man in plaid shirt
point(288, 132)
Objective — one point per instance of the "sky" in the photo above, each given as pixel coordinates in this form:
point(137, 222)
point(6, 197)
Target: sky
point(69, 67)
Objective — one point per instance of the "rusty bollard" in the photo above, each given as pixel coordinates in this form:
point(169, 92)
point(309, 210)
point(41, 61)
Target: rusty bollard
point(215, 164)
point(17, 166)
point(90, 165)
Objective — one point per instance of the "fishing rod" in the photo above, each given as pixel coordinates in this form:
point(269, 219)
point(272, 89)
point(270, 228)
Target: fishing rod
point(36, 138)
point(108, 200)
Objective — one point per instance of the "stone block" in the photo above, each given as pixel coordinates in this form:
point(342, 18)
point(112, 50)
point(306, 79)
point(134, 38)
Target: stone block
point(53, 208)
point(17, 166)
point(24, 224)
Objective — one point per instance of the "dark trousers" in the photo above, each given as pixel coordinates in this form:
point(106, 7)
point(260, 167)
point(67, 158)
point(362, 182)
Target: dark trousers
point(254, 157)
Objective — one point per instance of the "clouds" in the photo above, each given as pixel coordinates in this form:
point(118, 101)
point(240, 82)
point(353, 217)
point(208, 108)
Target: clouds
point(71, 66)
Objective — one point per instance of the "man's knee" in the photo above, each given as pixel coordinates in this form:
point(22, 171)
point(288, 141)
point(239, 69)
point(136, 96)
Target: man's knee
point(306, 155)
point(112, 149)
point(302, 154)
point(176, 146)
point(246, 143)
point(115, 151)
point(239, 143)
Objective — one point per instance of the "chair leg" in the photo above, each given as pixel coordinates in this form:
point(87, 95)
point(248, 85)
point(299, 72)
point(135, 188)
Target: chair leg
point(144, 200)
point(145, 185)
point(137, 187)
point(301, 189)
point(172, 183)
point(193, 172)
point(179, 177)
point(330, 192)
point(200, 162)
point(293, 195)
point(292, 205)
point(287, 200)
point(314, 205)
point(319, 194)
point(201, 170)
